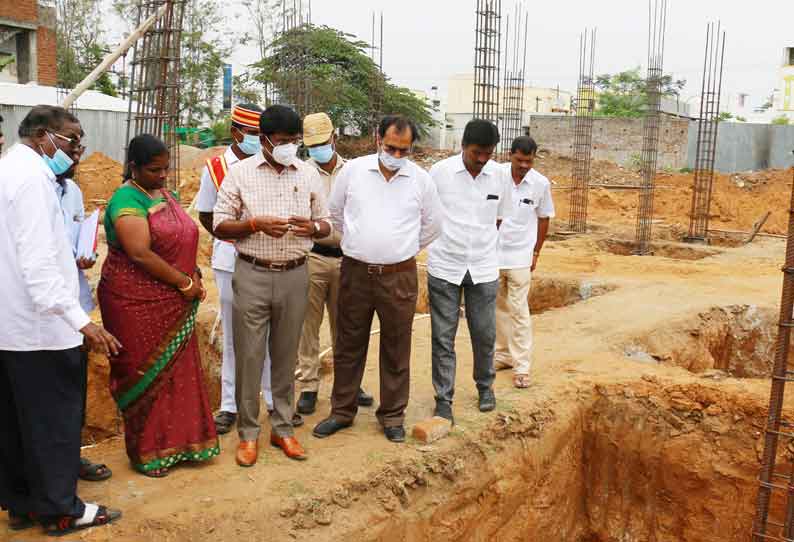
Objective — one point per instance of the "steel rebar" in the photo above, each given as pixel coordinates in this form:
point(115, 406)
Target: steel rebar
point(583, 132)
point(708, 125)
point(657, 22)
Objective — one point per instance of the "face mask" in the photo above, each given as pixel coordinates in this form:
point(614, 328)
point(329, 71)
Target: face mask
point(285, 153)
point(390, 162)
point(60, 162)
point(322, 154)
point(250, 144)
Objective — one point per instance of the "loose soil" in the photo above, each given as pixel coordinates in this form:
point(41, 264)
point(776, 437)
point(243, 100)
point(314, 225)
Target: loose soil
point(643, 422)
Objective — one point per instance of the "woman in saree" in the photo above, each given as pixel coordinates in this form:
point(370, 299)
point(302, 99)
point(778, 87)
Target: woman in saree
point(149, 294)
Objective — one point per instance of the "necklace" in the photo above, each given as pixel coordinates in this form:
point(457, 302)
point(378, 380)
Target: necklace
point(139, 187)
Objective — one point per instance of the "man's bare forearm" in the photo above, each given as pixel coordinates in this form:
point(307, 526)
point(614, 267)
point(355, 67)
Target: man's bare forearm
point(233, 229)
point(543, 230)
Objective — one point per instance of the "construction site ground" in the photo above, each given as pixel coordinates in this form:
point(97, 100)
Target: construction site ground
point(644, 420)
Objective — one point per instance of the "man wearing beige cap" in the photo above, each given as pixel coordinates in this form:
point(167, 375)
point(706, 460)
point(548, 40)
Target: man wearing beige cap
point(324, 263)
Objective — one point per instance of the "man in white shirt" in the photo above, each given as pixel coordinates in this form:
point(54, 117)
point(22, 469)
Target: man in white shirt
point(521, 238)
point(464, 262)
point(42, 332)
point(71, 200)
point(245, 133)
point(387, 210)
point(325, 262)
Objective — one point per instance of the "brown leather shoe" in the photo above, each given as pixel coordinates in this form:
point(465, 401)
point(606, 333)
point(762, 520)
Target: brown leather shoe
point(247, 452)
point(289, 445)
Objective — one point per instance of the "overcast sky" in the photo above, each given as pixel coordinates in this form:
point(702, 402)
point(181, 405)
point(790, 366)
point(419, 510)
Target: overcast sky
point(426, 41)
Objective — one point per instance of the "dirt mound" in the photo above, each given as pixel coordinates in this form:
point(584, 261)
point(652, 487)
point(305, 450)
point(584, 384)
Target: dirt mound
point(735, 205)
point(559, 168)
point(195, 158)
point(98, 177)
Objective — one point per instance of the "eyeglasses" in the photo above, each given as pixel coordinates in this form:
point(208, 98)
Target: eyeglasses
point(74, 142)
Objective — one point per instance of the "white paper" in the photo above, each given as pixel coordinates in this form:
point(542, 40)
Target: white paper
point(86, 242)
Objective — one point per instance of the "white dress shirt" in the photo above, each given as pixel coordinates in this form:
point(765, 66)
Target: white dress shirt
point(471, 208)
point(41, 308)
point(71, 199)
point(531, 200)
point(223, 252)
point(384, 222)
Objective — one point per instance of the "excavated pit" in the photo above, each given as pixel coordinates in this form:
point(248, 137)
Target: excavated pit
point(638, 463)
point(546, 292)
point(735, 340)
point(676, 251)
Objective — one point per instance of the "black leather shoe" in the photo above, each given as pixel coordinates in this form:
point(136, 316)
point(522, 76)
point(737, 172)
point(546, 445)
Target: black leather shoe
point(307, 402)
point(487, 400)
point(444, 410)
point(395, 434)
point(364, 399)
point(224, 421)
point(328, 427)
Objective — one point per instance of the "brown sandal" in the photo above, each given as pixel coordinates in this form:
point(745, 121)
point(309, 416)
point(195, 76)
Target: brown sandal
point(521, 381)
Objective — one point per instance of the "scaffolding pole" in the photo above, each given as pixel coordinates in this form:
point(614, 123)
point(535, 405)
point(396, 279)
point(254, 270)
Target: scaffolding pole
point(708, 124)
point(583, 132)
point(657, 22)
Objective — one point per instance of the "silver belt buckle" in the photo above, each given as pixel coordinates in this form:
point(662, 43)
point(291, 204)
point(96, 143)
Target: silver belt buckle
point(374, 269)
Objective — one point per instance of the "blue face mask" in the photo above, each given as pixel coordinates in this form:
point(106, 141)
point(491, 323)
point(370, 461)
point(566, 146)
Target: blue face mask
point(60, 162)
point(322, 154)
point(250, 144)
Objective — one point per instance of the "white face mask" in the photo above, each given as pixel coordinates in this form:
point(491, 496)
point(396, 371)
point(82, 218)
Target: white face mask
point(390, 162)
point(284, 154)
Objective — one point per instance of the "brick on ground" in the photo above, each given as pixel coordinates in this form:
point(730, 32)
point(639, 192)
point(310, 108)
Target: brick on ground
point(431, 430)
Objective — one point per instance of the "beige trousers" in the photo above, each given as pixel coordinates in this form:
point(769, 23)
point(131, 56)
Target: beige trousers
point(324, 272)
point(513, 321)
point(268, 312)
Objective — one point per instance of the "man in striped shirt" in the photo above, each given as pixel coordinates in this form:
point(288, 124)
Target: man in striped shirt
point(273, 205)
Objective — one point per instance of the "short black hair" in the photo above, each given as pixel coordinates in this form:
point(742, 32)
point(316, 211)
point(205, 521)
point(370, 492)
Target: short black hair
point(142, 150)
point(524, 145)
point(249, 107)
point(480, 132)
point(400, 123)
point(280, 119)
point(44, 117)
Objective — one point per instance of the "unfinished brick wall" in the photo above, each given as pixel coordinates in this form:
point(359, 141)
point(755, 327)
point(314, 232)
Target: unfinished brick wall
point(45, 50)
point(20, 10)
point(614, 139)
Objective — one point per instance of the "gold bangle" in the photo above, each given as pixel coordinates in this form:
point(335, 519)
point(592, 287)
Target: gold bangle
point(188, 287)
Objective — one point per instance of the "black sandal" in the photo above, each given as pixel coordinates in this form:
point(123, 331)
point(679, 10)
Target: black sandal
point(20, 522)
point(66, 524)
point(224, 421)
point(94, 472)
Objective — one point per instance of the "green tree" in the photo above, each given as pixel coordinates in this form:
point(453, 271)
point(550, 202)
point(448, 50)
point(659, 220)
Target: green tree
point(782, 120)
point(332, 71)
point(206, 44)
point(625, 94)
point(204, 51)
point(724, 116)
point(79, 43)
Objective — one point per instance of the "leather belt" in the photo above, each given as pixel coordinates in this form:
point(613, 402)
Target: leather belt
point(273, 266)
point(382, 269)
point(330, 252)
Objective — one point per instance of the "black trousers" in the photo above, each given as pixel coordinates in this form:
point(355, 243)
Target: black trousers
point(41, 411)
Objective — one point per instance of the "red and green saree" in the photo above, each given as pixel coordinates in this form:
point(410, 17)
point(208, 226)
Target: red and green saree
point(157, 378)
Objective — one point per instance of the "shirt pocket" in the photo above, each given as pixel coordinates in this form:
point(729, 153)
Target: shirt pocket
point(488, 209)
